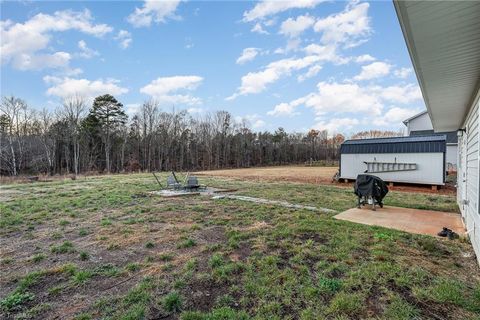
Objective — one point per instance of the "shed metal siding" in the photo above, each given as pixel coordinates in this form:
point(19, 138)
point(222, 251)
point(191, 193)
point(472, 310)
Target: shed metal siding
point(412, 144)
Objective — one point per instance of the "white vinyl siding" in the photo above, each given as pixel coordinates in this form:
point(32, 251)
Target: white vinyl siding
point(420, 123)
point(430, 166)
point(472, 176)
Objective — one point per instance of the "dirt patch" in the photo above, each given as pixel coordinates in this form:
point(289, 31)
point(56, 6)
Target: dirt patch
point(374, 302)
point(9, 194)
point(242, 253)
point(431, 310)
point(317, 175)
point(213, 235)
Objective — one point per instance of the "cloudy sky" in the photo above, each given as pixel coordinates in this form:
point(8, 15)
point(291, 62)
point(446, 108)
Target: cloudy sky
point(340, 66)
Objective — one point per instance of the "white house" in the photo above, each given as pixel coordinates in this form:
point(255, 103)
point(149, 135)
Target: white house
point(420, 124)
point(443, 39)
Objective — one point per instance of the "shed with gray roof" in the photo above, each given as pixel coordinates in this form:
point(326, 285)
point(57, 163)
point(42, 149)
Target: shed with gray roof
point(413, 159)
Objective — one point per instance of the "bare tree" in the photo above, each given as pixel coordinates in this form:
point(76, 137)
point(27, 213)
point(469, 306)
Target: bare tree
point(71, 141)
point(73, 111)
point(13, 108)
point(48, 141)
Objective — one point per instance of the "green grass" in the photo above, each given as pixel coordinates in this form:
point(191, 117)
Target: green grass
point(38, 257)
point(65, 247)
point(172, 302)
point(84, 256)
point(186, 243)
point(141, 256)
point(15, 300)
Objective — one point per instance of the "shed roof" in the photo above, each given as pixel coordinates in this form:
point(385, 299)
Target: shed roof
point(410, 144)
point(452, 137)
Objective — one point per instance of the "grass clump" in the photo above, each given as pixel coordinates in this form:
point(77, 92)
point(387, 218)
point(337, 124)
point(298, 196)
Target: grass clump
point(187, 243)
point(81, 277)
point(38, 257)
point(172, 302)
point(346, 304)
point(149, 245)
point(224, 313)
point(84, 256)
point(15, 300)
point(132, 267)
point(65, 247)
point(166, 257)
point(329, 285)
point(399, 309)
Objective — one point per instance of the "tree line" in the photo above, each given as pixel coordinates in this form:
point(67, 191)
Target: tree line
point(78, 138)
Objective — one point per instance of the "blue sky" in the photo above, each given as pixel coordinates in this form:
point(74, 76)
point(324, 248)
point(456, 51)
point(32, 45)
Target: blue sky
point(340, 66)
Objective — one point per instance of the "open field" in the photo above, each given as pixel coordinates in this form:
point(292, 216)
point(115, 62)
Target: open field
point(318, 175)
point(102, 248)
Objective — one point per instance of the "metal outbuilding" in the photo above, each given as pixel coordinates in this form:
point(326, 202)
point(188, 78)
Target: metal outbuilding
point(414, 159)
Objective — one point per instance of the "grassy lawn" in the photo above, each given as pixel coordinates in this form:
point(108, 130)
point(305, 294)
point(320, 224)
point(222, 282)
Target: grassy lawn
point(102, 248)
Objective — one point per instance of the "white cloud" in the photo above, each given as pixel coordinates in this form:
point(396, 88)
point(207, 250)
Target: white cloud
point(132, 108)
point(335, 97)
point(398, 94)
point(69, 72)
point(350, 27)
point(402, 72)
point(258, 29)
point(336, 125)
point(325, 53)
point(294, 27)
point(124, 38)
point(41, 61)
point(284, 109)
point(21, 42)
point(259, 123)
point(267, 8)
point(312, 72)
point(293, 44)
point(374, 70)
point(256, 82)
point(248, 54)
point(394, 116)
point(343, 97)
point(85, 51)
point(364, 58)
point(66, 87)
point(254, 120)
point(166, 89)
point(194, 110)
point(153, 11)
point(189, 43)
point(351, 98)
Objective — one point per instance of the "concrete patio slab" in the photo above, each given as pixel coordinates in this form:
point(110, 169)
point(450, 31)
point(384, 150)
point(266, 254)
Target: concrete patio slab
point(404, 219)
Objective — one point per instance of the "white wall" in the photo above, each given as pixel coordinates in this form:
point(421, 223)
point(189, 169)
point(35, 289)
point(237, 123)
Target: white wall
point(422, 122)
point(468, 194)
point(429, 167)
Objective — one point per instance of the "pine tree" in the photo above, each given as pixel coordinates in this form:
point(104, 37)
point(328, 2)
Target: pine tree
point(110, 115)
